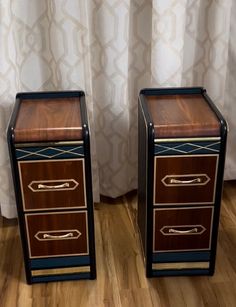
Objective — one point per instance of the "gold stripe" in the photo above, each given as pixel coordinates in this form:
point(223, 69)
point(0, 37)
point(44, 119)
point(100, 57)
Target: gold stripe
point(46, 144)
point(180, 265)
point(187, 139)
point(84, 269)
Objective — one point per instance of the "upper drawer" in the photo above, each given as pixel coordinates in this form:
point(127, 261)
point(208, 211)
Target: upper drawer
point(54, 184)
point(185, 179)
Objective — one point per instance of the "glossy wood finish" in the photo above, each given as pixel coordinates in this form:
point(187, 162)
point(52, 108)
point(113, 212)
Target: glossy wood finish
point(180, 174)
point(44, 229)
point(49, 119)
point(67, 175)
point(185, 168)
point(121, 278)
point(67, 186)
point(182, 116)
point(182, 220)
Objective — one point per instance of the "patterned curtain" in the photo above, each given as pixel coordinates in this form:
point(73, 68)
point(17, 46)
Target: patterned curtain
point(112, 49)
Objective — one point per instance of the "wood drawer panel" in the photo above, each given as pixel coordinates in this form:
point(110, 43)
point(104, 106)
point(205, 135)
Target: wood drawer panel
point(185, 179)
point(57, 234)
point(52, 184)
point(182, 229)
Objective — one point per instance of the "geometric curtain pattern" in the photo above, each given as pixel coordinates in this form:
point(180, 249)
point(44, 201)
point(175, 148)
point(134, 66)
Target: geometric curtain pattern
point(111, 49)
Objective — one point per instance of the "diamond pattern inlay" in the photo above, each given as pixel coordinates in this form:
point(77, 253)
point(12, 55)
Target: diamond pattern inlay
point(187, 148)
point(49, 152)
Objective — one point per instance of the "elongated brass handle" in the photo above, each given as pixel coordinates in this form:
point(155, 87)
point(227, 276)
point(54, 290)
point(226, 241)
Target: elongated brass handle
point(67, 235)
point(58, 186)
point(177, 181)
point(182, 232)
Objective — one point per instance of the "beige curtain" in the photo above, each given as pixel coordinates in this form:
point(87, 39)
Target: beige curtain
point(112, 49)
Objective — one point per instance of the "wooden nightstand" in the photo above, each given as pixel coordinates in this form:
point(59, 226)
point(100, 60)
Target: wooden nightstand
point(182, 140)
point(49, 145)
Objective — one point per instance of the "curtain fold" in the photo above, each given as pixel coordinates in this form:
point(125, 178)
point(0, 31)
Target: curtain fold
point(112, 49)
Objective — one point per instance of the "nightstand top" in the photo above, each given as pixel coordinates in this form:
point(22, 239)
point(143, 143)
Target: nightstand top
point(182, 115)
point(48, 119)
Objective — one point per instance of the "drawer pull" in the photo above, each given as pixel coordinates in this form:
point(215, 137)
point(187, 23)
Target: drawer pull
point(182, 232)
point(177, 181)
point(51, 185)
point(49, 235)
point(58, 186)
point(67, 235)
point(185, 180)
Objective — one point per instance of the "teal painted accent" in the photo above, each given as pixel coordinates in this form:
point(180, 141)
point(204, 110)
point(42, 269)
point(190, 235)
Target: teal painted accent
point(182, 148)
point(189, 272)
point(60, 262)
point(76, 276)
point(180, 257)
point(50, 152)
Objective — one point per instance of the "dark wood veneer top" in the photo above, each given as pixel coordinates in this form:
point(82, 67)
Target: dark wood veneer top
point(182, 116)
point(48, 120)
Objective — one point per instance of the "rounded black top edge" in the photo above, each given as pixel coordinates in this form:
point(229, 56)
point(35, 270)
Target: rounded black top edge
point(50, 94)
point(216, 110)
point(143, 106)
point(172, 90)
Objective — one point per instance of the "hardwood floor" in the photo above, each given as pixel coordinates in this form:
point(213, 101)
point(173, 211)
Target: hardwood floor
point(121, 279)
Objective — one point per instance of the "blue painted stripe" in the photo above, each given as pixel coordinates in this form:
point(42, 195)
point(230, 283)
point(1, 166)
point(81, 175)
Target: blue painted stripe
point(180, 257)
point(61, 277)
point(47, 263)
point(189, 272)
point(49, 94)
point(171, 91)
point(181, 148)
point(50, 152)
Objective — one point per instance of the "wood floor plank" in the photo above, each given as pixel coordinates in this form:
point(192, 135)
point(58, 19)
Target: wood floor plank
point(121, 277)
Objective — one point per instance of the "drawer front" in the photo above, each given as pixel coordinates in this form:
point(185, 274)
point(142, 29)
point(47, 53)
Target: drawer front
point(182, 229)
point(57, 234)
point(185, 179)
point(53, 184)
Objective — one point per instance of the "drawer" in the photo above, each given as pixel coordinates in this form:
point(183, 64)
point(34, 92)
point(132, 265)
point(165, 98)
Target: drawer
point(185, 179)
point(52, 184)
point(182, 229)
point(57, 234)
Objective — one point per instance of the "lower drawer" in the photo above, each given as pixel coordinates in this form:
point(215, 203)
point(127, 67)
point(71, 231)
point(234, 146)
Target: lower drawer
point(182, 229)
point(57, 234)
